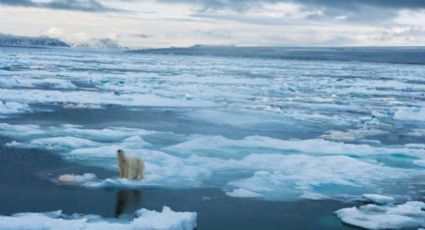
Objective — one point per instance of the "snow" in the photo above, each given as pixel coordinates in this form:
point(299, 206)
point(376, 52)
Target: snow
point(60, 143)
point(145, 219)
point(410, 114)
point(76, 179)
point(378, 199)
point(247, 126)
point(13, 107)
point(371, 216)
point(94, 98)
point(316, 146)
point(243, 193)
point(420, 163)
point(272, 170)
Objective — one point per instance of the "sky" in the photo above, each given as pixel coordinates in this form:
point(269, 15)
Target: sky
point(165, 23)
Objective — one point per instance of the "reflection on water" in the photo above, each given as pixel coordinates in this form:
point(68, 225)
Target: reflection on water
point(128, 201)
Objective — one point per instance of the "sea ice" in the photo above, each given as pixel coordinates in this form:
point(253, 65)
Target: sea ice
point(410, 114)
point(419, 163)
point(13, 107)
point(243, 193)
point(145, 219)
point(371, 216)
point(76, 179)
point(378, 199)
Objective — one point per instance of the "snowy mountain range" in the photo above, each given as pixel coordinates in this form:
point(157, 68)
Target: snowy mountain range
point(24, 41)
point(44, 41)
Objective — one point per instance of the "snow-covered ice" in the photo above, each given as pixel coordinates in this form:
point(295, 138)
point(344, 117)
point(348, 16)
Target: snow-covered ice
point(145, 219)
point(262, 128)
point(378, 199)
point(243, 193)
point(371, 216)
point(273, 171)
point(76, 179)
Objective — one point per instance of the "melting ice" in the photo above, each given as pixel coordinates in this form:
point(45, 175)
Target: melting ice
point(256, 128)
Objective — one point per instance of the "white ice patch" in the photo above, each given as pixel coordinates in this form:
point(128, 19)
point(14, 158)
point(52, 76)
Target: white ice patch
point(61, 143)
point(160, 168)
point(243, 193)
point(292, 176)
point(90, 97)
point(378, 199)
point(113, 134)
point(419, 163)
point(20, 82)
point(271, 168)
point(81, 106)
point(371, 216)
point(315, 146)
point(145, 219)
point(13, 107)
point(76, 179)
point(350, 135)
point(410, 114)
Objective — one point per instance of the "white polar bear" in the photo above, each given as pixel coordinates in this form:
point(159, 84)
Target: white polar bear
point(130, 167)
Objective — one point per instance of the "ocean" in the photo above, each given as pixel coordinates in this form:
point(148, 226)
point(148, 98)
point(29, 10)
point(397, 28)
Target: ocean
point(248, 138)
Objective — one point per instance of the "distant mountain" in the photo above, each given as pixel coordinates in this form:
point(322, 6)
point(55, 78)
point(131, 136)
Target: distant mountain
point(24, 41)
point(100, 44)
point(399, 55)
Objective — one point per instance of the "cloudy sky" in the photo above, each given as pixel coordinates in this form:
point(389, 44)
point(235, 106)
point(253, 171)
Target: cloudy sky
point(164, 23)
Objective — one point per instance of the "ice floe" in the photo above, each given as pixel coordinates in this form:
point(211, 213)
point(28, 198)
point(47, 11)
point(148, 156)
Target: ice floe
point(253, 166)
point(410, 114)
point(371, 216)
point(13, 107)
point(378, 199)
point(166, 219)
point(316, 146)
point(76, 179)
point(419, 163)
point(243, 193)
point(96, 98)
point(354, 123)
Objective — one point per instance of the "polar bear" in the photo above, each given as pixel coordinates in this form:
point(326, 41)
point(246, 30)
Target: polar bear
point(130, 167)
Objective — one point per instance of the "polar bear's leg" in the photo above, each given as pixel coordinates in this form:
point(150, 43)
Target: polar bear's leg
point(137, 168)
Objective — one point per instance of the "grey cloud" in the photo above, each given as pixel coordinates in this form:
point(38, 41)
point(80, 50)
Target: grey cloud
point(341, 4)
point(144, 36)
point(352, 10)
point(78, 5)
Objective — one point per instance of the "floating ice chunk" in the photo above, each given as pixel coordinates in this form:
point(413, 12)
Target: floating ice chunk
point(408, 215)
point(107, 134)
point(243, 193)
point(59, 143)
point(53, 83)
point(20, 130)
point(81, 106)
point(145, 219)
point(416, 145)
point(13, 107)
point(76, 179)
point(116, 183)
point(292, 176)
point(419, 163)
point(339, 136)
point(410, 114)
point(313, 196)
point(350, 135)
point(91, 97)
point(417, 133)
point(167, 219)
point(318, 146)
point(378, 199)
